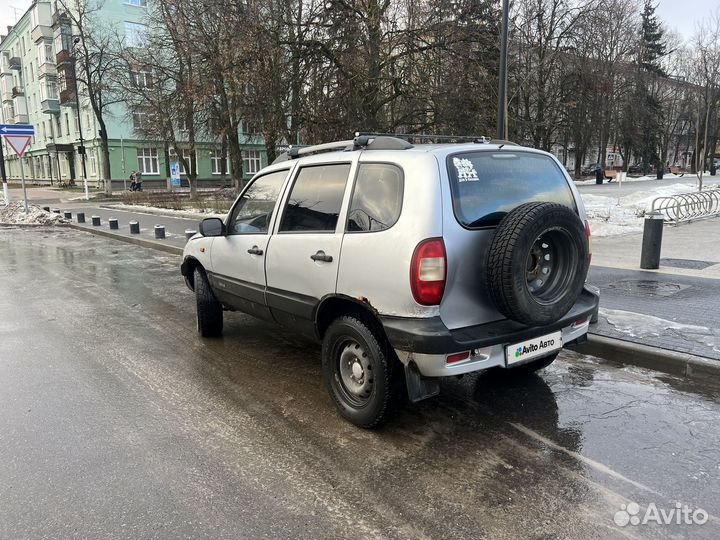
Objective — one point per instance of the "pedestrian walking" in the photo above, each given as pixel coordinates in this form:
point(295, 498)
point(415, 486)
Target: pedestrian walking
point(133, 180)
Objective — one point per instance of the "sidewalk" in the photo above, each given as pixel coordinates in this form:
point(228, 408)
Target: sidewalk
point(673, 308)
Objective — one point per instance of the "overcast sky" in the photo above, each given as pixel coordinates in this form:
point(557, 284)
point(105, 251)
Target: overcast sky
point(678, 14)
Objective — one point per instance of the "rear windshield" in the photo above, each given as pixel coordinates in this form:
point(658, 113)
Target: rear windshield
point(487, 185)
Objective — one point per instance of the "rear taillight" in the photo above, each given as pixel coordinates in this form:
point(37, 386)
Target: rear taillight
point(589, 239)
point(428, 272)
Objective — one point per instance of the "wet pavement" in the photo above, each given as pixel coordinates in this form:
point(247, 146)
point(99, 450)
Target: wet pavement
point(119, 421)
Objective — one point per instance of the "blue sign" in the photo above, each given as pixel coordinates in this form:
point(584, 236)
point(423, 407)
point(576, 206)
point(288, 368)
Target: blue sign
point(175, 174)
point(16, 129)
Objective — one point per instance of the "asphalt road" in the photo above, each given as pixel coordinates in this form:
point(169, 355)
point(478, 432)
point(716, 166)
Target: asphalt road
point(119, 422)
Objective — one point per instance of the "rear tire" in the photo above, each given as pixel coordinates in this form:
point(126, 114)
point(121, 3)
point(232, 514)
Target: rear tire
point(359, 371)
point(209, 310)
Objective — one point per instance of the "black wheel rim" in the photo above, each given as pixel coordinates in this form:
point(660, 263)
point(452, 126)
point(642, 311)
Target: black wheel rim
point(353, 373)
point(550, 266)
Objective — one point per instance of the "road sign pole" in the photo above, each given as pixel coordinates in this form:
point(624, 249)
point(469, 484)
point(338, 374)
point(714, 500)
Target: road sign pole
point(6, 191)
point(22, 180)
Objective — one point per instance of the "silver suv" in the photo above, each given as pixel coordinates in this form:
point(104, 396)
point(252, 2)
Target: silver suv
point(409, 263)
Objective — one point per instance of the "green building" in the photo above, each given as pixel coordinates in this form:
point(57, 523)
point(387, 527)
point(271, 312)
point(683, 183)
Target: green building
point(36, 87)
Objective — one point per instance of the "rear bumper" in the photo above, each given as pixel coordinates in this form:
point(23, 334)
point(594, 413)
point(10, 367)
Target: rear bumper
point(427, 342)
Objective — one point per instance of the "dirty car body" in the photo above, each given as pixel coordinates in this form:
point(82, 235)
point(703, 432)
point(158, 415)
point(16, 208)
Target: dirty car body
point(387, 252)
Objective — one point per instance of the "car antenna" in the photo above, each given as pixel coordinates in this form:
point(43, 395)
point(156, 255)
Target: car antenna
point(500, 147)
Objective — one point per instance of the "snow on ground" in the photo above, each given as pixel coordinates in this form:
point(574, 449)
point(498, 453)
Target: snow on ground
point(615, 214)
point(192, 214)
point(647, 326)
point(14, 213)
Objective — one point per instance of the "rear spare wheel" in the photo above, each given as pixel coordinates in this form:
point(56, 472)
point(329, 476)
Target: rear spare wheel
point(537, 263)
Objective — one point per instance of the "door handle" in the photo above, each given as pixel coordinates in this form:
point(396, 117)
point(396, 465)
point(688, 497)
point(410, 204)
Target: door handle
point(320, 256)
point(255, 251)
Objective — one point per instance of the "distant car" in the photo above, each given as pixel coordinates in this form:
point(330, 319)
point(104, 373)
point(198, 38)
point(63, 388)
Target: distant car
point(638, 168)
point(590, 170)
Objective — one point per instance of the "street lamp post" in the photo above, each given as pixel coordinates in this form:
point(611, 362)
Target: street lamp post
point(81, 149)
point(502, 90)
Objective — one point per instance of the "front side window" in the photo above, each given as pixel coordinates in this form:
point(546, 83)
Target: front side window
point(377, 198)
point(486, 185)
point(315, 200)
point(254, 210)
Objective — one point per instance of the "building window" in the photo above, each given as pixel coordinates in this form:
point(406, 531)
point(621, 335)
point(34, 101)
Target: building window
point(141, 78)
point(63, 41)
point(136, 34)
point(139, 3)
point(251, 161)
point(92, 160)
point(148, 160)
point(141, 120)
point(52, 90)
point(216, 160)
point(190, 158)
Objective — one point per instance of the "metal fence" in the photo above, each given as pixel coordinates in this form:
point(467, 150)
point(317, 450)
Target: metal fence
point(688, 206)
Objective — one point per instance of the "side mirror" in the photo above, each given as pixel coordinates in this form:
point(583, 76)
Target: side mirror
point(212, 227)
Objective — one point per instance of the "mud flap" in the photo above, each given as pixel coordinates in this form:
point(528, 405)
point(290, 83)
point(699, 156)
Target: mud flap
point(419, 387)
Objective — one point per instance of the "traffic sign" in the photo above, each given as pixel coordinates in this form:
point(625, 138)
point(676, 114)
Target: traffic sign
point(16, 129)
point(19, 143)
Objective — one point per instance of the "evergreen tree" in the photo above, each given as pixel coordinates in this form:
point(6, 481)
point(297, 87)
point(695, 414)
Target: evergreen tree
point(652, 44)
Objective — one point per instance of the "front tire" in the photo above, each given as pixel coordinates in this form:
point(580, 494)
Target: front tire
point(357, 368)
point(209, 310)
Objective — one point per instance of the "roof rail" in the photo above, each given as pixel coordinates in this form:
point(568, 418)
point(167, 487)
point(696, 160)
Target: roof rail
point(300, 150)
point(425, 137)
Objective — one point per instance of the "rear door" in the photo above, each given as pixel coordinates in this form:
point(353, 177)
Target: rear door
point(238, 258)
point(302, 258)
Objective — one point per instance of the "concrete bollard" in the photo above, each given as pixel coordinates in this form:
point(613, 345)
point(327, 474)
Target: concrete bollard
point(160, 231)
point(652, 241)
point(134, 227)
point(68, 215)
point(189, 233)
point(56, 210)
point(46, 208)
point(80, 217)
point(113, 223)
point(95, 221)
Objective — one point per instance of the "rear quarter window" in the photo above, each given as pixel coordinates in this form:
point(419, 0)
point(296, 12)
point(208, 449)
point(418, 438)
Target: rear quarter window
point(486, 185)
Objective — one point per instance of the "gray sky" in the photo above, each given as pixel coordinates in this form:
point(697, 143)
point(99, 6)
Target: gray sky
point(7, 13)
point(678, 14)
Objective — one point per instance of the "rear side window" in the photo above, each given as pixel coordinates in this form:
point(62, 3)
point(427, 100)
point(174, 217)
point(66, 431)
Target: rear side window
point(487, 185)
point(377, 198)
point(315, 200)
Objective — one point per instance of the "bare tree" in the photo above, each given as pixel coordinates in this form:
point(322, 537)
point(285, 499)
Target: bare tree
point(94, 67)
point(706, 75)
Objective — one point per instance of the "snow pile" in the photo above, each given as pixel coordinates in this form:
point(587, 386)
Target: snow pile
point(610, 215)
point(647, 326)
point(15, 213)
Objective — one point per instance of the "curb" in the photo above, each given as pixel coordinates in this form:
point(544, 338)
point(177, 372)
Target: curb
point(637, 354)
point(174, 250)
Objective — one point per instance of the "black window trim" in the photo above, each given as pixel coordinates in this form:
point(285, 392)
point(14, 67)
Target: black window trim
point(513, 150)
point(352, 194)
point(286, 196)
point(231, 213)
